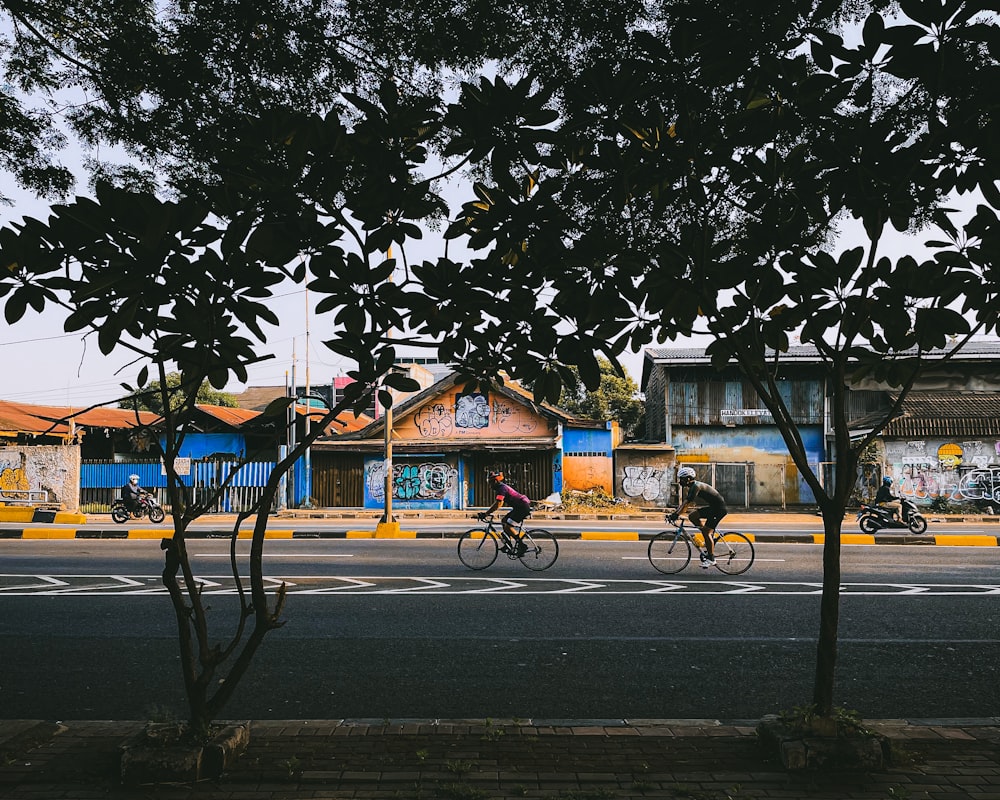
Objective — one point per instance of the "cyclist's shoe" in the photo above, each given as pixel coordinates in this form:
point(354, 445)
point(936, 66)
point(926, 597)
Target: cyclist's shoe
point(521, 548)
point(707, 561)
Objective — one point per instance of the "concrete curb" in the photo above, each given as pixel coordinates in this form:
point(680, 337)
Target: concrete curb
point(165, 532)
point(41, 514)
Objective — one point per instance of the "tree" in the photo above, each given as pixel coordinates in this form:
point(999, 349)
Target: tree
point(696, 182)
point(151, 398)
point(277, 172)
point(182, 288)
point(154, 92)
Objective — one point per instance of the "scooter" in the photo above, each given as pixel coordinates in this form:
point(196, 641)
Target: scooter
point(872, 517)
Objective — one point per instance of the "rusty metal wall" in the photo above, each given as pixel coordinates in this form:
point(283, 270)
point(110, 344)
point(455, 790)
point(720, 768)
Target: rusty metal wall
point(338, 479)
point(529, 473)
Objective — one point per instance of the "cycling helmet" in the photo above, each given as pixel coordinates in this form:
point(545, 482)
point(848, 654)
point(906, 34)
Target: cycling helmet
point(685, 474)
point(495, 476)
point(133, 478)
point(887, 480)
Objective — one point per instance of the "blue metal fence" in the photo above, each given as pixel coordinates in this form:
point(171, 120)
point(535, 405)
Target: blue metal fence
point(101, 482)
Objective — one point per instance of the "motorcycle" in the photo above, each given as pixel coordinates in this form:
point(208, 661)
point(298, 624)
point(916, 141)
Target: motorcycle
point(872, 517)
point(148, 507)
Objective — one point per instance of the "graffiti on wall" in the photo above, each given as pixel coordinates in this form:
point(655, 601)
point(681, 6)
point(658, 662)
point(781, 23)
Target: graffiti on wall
point(14, 478)
point(513, 418)
point(644, 482)
point(953, 471)
point(426, 481)
point(13, 481)
point(433, 421)
point(472, 411)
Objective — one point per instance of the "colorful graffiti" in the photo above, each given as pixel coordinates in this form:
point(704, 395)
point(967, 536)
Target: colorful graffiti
point(427, 481)
point(953, 471)
point(13, 481)
point(644, 482)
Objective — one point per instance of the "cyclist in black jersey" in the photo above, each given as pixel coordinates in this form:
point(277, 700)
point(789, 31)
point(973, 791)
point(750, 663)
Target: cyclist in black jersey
point(709, 507)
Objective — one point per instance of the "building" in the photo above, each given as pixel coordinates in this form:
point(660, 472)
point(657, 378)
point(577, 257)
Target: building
point(445, 440)
point(716, 423)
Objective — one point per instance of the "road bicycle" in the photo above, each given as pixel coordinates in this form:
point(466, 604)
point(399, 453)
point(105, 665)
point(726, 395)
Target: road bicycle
point(670, 551)
point(478, 548)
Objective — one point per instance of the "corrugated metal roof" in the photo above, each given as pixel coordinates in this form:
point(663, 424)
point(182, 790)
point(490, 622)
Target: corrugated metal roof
point(228, 415)
point(55, 420)
point(947, 414)
point(979, 350)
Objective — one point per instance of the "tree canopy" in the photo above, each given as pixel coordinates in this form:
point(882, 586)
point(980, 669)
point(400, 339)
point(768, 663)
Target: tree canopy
point(151, 398)
point(616, 398)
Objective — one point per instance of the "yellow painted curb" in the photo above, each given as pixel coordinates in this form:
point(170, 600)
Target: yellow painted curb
point(966, 541)
point(750, 536)
point(611, 536)
point(16, 514)
point(70, 518)
point(55, 533)
point(151, 533)
point(268, 534)
point(847, 538)
point(360, 534)
point(387, 530)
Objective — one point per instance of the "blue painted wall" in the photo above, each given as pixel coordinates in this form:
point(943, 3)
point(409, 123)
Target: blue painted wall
point(426, 481)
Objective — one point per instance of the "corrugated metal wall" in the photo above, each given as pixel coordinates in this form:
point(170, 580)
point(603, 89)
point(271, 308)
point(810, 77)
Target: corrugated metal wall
point(702, 402)
point(529, 473)
point(338, 479)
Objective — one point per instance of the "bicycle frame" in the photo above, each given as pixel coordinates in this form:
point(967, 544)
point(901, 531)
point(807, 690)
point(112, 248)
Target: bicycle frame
point(669, 553)
point(536, 549)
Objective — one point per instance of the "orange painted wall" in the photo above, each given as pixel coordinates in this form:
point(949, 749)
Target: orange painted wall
point(456, 416)
point(581, 473)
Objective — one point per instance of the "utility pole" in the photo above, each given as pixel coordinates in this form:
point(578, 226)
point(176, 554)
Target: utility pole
point(388, 527)
point(307, 463)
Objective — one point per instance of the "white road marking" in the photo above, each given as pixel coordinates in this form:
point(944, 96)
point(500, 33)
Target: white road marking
point(15, 585)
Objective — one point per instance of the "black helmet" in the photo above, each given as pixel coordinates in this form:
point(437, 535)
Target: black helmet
point(887, 480)
point(495, 476)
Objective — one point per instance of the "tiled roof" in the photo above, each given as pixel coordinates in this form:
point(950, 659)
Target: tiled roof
point(257, 398)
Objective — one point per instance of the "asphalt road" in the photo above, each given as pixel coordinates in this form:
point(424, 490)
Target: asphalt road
point(400, 629)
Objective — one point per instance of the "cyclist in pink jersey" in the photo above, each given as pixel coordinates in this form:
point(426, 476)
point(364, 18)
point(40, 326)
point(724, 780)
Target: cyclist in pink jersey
point(520, 507)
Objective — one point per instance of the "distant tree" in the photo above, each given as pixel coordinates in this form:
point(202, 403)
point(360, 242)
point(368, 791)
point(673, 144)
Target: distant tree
point(616, 398)
point(151, 397)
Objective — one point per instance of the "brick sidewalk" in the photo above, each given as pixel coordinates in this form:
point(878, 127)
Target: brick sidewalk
point(465, 760)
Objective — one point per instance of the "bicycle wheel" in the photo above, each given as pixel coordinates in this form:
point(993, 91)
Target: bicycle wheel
point(477, 549)
point(668, 552)
point(733, 553)
point(543, 549)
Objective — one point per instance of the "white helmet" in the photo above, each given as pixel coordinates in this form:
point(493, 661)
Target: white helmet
point(133, 478)
point(685, 474)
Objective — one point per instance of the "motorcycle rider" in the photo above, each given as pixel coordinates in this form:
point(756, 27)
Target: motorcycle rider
point(885, 498)
point(132, 494)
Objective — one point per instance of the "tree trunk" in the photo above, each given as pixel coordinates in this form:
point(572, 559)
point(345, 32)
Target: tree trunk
point(829, 615)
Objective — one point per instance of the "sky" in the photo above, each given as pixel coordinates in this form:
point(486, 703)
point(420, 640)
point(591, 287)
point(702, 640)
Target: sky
point(40, 363)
